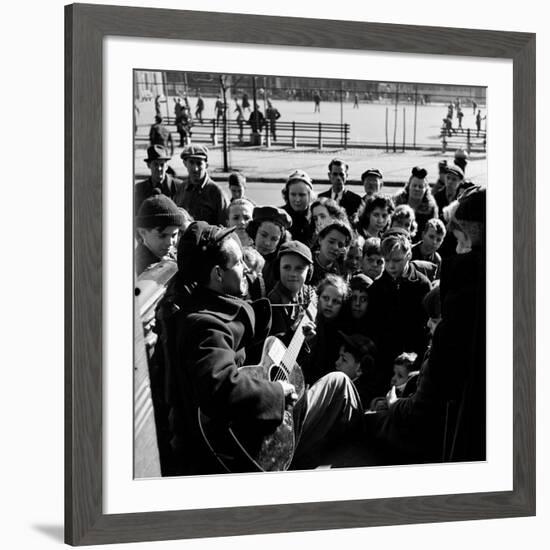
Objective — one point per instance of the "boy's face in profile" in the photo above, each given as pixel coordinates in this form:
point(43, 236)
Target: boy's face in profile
point(347, 364)
point(431, 240)
point(400, 375)
point(373, 265)
point(159, 240)
point(359, 302)
point(396, 263)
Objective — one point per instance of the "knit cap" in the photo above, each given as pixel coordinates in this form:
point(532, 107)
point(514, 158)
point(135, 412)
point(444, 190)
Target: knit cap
point(159, 211)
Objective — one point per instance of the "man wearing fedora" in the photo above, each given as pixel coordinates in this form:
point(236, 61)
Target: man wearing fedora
point(202, 197)
point(157, 162)
point(212, 332)
point(338, 175)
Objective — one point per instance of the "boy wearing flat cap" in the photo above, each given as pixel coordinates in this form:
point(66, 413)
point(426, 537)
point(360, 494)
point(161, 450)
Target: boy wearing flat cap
point(157, 161)
point(211, 332)
point(372, 182)
point(202, 197)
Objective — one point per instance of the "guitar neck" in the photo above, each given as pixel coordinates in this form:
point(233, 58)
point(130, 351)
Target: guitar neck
point(289, 359)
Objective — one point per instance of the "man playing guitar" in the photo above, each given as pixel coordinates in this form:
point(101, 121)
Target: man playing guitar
point(226, 417)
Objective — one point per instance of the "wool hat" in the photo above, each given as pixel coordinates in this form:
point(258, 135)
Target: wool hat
point(371, 172)
point(472, 205)
point(297, 248)
point(456, 170)
point(197, 248)
point(339, 226)
point(156, 152)
point(195, 152)
point(273, 214)
point(159, 211)
point(300, 175)
point(361, 344)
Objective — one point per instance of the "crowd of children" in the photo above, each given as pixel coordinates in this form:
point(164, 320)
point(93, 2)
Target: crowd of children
point(372, 276)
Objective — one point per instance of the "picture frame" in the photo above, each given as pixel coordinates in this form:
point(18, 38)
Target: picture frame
point(85, 28)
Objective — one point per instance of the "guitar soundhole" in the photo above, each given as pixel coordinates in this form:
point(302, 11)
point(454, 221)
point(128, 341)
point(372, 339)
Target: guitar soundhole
point(277, 373)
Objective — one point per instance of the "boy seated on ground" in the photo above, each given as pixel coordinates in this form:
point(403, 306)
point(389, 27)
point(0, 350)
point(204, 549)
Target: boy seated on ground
point(355, 357)
point(158, 222)
point(403, 382)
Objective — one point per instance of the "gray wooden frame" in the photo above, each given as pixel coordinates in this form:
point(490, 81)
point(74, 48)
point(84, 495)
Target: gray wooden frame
point(85, 28)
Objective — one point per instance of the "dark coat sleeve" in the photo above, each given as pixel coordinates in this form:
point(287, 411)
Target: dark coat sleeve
point(221, 390)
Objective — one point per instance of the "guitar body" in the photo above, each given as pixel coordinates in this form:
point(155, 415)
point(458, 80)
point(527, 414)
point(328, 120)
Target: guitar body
point(258, 452)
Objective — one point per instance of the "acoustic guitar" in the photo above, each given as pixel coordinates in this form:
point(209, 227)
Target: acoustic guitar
point(242, 451)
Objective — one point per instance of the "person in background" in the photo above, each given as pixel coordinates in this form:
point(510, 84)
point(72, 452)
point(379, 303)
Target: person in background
point(374, 216)
point(202, 197)
point(199, 108)
point(432, 239)
point(237, 186)
point(160, 135)
point(255, 263)
point(418, 196)
point(372, 181)
point(404, 218)
point(272, 115)
point(298, 196)
point(157, 161)
point(239, 215)
point(323, 211)
point(269, 229)
point(372, 264)
point(354, 256)
point(338, 176)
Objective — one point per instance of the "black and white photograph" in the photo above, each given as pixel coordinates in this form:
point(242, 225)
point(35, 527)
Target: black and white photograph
point(310, 280)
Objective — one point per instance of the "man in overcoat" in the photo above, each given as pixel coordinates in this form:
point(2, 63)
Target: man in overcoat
point(211, 333)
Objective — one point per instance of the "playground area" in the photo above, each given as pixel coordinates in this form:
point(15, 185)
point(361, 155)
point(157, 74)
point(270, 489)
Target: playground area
point(377, 123)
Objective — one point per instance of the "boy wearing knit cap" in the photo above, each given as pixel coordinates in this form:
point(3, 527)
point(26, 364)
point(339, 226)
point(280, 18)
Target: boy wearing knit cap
point(158, 222)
